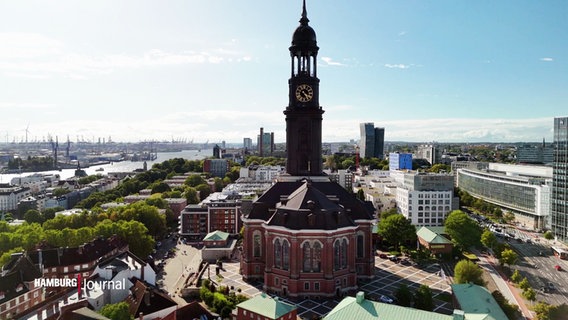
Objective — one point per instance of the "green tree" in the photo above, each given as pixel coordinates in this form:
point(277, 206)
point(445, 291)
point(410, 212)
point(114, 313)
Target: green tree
point(543, 310)
point(548, 235)
point(516, 276)
point(387, 213)
point(58, 192)
point(148, 215)
point(438, 167)
point(347, 163)
point(190, 194)
point(423, 298)
point(218, 184)
point(488, 239)
point(194, 180)
point(403, 296)
point(6, 256)
point(524, 284)
point(396, 230)
point(160, 187)
point(117, 311)
point(466, 271)
point(512, 311)
point(330, 163)
point(529, 294)
point(464, 231)
point(204, 191)
point(33, 216)
point(508, 257)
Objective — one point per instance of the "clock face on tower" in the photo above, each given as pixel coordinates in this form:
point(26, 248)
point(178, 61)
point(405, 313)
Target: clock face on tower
point(304, 93)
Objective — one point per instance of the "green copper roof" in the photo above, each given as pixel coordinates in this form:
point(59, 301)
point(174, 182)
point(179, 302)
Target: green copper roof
point(216, 235)
point(362, 309)
point(477, 302)
point(431, 236)
point(266, 306)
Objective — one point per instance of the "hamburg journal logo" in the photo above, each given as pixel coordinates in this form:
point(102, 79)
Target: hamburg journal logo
point(80, 284)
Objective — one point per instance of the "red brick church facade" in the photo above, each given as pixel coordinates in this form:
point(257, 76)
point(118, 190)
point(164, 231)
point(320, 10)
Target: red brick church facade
point(307, 236)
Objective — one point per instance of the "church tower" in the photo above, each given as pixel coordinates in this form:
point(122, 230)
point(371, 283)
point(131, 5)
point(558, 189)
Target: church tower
point(304, 114)
point(306, 236)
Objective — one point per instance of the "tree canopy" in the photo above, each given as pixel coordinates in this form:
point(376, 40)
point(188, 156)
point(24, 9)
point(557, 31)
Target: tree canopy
point(117, 311)
point(423, 298)
point(464, 231)
point(466, 271)
point(396, 230)
point(508, 257)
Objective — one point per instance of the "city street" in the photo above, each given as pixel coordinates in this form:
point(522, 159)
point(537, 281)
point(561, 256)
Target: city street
point(540, 270)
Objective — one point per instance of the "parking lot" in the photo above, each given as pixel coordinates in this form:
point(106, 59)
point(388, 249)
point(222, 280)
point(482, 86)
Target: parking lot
point(389, 276)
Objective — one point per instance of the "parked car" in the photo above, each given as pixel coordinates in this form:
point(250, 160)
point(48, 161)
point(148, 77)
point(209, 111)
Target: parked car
point(550, 286)
point(383, 256)
point(558, 268)
point(386, 299)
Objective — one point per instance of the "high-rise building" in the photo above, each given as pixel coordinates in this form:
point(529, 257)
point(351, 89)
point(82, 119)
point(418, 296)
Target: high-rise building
point(265, 143)
point(559, 208)
point(247, 143)
point(400, 161)
point(306, 236)
point(535, 154)
point(430, 152)
point(372, 143)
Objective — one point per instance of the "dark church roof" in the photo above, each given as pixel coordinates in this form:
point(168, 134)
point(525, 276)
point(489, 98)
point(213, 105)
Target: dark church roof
point(309, 208)
point(309, 205)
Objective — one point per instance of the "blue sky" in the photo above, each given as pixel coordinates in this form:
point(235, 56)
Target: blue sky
point(447, 71)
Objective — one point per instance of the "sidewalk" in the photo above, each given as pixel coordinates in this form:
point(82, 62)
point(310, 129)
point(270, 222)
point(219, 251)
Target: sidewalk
point(509, 291)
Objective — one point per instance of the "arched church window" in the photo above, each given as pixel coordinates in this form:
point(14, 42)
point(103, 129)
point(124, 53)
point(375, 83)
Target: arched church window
point(344, 254)
point(277, 254)
point(307, 254)
point(336, 254)
point(256, 245)
point(316, 261)
point(285, 255)
point(360, 246)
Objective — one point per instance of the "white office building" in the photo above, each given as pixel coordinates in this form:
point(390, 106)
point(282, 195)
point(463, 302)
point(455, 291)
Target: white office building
point(425, 198)
point(522, 190)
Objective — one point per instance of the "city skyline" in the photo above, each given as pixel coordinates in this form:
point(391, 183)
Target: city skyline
point(447, 71)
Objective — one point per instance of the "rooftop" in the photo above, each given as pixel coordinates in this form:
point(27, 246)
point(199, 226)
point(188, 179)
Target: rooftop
point(267, 306)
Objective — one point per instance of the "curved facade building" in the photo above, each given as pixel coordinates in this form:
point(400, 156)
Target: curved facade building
point(523, 190)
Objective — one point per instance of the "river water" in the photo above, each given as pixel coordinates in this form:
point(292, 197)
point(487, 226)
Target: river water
point(122, 166)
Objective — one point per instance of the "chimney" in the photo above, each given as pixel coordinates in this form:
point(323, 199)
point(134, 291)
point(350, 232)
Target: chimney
point(458, 314)
point(360, 297)
point(147, 297)
point(260, 143)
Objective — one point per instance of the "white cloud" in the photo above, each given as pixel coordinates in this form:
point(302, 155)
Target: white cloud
point(402, 33)
point(16, 45)
point(546, 59)
point(397, 66)
point(446, 130)
point(25, 105)
point(329, 61)
point(232, 126)
point(34, 55)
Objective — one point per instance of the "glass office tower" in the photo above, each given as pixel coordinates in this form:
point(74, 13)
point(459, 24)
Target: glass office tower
point(559, 208)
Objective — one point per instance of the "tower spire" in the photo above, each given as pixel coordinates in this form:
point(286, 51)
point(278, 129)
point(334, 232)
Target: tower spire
point(304, 20)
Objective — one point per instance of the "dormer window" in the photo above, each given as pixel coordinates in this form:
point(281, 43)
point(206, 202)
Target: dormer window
point(2, 295)
point(20, 287)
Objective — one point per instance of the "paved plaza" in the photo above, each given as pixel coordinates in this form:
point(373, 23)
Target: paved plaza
point(389, 276)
